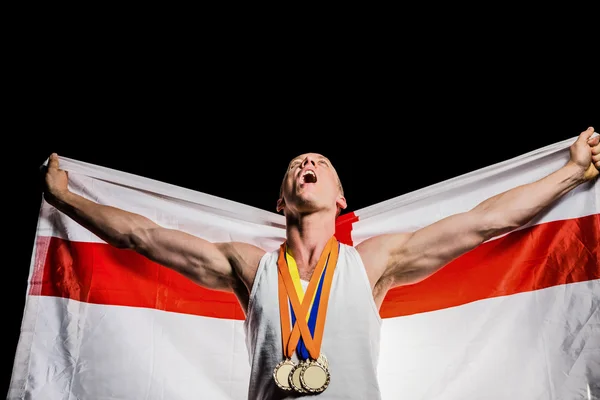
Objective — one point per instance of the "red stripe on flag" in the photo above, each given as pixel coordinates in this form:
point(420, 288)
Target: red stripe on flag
point(546, 255)
point(101, 274)
point(539, 257)
point(343, 228)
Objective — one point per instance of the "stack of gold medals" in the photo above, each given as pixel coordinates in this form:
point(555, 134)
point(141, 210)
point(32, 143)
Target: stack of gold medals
point(311, 374)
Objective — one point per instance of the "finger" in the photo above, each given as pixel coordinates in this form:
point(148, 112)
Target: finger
point(594, 141)
point(596, 158)
point(596, 149)
point(53, 161)
point(585, 135)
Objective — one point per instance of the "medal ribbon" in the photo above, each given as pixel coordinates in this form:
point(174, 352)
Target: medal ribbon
point(290, 338)
point(300, 326)
point(312, 315)
point(293, 268)
point(312, 318)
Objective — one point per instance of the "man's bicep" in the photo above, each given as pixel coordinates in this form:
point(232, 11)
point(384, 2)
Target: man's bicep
point(199, 260)
point(430, 248)
point(376, 254)
point(406, 258)
point(244, 259)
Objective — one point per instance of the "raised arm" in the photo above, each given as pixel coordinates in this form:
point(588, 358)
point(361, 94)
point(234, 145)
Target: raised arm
point(219, 266)
point(399, 259)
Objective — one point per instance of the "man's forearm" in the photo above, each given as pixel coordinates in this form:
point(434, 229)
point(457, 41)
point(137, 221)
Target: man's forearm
point(109, 223)
point(516, 207)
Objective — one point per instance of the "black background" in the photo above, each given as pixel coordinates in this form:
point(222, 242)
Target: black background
point(228, 124)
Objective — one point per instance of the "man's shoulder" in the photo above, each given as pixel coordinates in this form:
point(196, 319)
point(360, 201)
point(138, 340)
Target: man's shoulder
point(350, 250)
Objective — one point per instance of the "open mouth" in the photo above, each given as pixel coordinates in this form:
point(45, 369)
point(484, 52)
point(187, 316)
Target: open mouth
point(308, 176)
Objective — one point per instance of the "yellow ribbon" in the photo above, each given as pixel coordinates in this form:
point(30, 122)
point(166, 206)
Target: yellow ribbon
point(293, 268)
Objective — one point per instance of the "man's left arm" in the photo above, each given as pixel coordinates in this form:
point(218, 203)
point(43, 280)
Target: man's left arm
point(406, 258)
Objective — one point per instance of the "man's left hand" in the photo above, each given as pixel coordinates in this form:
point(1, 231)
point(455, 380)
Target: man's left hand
point(585, 153)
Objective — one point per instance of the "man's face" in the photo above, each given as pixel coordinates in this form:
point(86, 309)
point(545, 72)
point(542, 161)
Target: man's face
point(311, 184)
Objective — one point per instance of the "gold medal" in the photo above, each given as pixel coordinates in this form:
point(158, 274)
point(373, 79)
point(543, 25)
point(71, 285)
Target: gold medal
point(282, 372)
point(294, 379)
point(314, 377)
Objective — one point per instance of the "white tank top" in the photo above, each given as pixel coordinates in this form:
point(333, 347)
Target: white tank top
point(350, 339)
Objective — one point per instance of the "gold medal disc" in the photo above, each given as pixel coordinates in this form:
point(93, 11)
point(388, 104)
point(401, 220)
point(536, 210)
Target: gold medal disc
point(295, 379)
point(314, 377)
point(281, 374)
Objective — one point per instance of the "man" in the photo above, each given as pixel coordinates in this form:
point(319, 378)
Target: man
point(312, 321)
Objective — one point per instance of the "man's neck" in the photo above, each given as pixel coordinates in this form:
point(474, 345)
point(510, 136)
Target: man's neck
point(307, 237)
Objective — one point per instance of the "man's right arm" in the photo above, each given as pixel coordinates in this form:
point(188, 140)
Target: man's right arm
point(218, 266)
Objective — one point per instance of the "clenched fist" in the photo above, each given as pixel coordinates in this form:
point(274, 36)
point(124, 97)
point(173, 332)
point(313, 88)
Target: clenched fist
point(56, 181)
point(585, 153)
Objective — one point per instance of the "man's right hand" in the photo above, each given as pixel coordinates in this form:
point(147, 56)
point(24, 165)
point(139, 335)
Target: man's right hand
point(56, 181)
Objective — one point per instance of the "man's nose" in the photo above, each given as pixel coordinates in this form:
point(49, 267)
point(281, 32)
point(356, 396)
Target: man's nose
point(308, 160)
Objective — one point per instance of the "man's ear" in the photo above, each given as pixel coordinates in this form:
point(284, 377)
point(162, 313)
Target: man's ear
point(341, 203)
point(280, 204)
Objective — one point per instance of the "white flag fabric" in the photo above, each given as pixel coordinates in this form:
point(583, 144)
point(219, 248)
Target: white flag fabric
point(517, 318)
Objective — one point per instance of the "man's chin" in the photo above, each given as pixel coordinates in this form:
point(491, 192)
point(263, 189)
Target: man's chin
point(309, 204)
point(306, 197)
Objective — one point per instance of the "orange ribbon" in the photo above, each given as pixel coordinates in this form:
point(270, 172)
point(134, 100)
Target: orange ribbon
point(290, 337)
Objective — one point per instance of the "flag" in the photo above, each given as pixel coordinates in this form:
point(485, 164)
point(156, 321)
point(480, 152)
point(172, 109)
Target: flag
point(516, 318)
